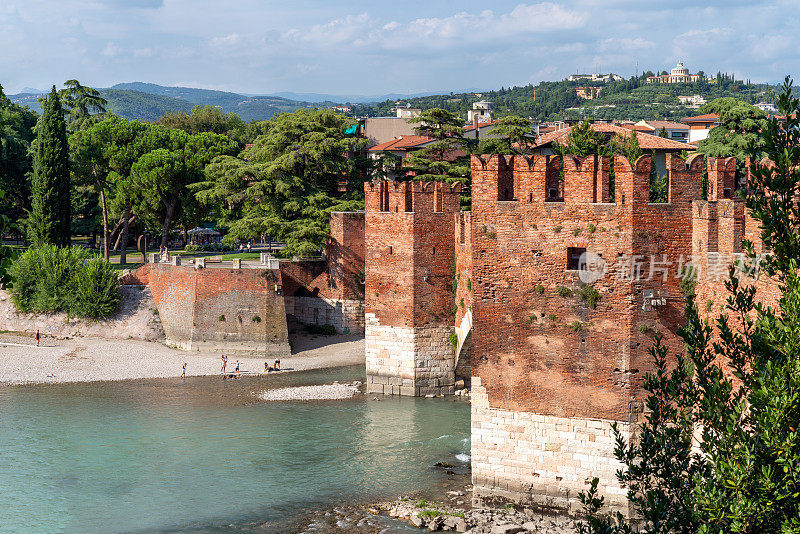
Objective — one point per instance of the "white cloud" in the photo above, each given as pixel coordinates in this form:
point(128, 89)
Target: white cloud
point(626, 44)
point(111, 50)
point(344, 46)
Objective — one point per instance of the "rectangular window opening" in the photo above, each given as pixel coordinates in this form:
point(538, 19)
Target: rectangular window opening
point(576, 259)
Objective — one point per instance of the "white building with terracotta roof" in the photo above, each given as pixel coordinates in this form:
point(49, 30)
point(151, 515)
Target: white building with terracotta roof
point(700, 125)
point(675, 130)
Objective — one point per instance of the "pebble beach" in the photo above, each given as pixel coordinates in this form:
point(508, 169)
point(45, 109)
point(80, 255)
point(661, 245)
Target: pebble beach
point(92, 359)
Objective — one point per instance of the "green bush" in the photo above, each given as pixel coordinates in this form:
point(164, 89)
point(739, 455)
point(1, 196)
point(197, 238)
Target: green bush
point(96, 289)
point(51, 279)
point(589, 295)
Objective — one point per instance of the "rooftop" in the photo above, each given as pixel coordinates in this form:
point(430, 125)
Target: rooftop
point(646, 141)
point(402, 143)
point(708, 117)
point(667, 125)
point(480, 125)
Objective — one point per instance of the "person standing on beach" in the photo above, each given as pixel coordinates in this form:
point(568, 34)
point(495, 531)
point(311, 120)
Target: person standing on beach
point(277, 365)
point(237, 366)
point(183, 371)
point(37, 338)
point(224, 363)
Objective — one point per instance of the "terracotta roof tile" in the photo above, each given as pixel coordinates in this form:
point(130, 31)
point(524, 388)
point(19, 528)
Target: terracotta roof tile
point(669, 125)
point(402, 143)
point(646, 141)
point(480, 125)
point(708, 117)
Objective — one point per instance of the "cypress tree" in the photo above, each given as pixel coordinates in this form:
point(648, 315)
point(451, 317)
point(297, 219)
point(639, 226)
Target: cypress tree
point(50, 216)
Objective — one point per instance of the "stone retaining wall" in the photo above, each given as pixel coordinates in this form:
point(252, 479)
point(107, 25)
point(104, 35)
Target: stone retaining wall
point(414, 361)
point(347, 316)
point(236, 310)
point(539, 460)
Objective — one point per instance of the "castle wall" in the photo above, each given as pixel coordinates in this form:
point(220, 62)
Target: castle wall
point(347, 316)
point(541, 352)
point(541, 461)
point(330, 291)
point(409, 287)
point(238, 309)
point(720, 224)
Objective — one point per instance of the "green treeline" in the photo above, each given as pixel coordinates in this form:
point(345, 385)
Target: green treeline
point(632, 99)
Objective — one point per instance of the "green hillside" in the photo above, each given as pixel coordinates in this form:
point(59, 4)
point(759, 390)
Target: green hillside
point(128, 104)
point(627, 99)
point(142, 106)
point(249, 108)
point(148, 102)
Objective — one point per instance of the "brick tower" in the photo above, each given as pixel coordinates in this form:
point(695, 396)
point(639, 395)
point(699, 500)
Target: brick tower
point(409, 299)
point(559, 350)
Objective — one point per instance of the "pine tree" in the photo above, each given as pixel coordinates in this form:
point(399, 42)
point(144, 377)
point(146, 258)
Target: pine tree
point(49, 221)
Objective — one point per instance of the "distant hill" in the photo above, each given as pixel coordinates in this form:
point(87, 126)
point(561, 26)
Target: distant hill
point(249, 108)
point(148, 101)
point(136, 105)
point(322, 97)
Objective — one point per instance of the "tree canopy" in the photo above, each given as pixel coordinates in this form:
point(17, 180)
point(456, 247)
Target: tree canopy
point(738, 132)
point(445, 158)
point(511, 134)
point(302, 168)
point(16, 164)
point(84, 105)
point(208, 119)
point(50, 216)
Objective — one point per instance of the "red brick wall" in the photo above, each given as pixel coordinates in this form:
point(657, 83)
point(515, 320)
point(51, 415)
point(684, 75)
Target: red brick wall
point(720, 226)
point(345, 255)
point(192, 303)
point(410, 252)
point(536, 350)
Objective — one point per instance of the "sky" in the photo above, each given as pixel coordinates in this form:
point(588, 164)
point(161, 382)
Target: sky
point(376, 47)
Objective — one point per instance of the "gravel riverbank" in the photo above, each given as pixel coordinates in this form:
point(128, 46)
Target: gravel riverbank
point(86, 359)
point(333, 391)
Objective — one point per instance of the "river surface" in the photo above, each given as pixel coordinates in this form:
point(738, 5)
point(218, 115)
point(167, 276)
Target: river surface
point(206, 455)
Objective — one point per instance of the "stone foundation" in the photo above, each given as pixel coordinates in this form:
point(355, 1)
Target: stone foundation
point(347, 316)
point(413, 361)
point(541, 461)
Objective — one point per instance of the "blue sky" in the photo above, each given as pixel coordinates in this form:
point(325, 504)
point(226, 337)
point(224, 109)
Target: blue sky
point(345, 46)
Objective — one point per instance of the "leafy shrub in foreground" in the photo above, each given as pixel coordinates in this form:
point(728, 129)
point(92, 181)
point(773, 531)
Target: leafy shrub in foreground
point(51, 279)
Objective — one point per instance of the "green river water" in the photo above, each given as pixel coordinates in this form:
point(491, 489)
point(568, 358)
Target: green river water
point(206, 455)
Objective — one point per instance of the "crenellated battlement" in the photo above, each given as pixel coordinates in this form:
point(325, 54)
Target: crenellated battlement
point(590, 180)
point(412, 197)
